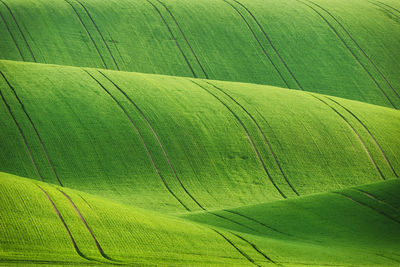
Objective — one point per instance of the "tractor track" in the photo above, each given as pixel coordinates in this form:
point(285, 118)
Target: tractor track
point(259, 43)
point(357, 135)
point(248, 136)
point(98, 30)
point(142, 140)
point(351, 52)
point(369, 133)
point(88, 33)
point(174, 38)
point(262, 133)
point(270, 43)
point(22, 136)
point(34, 128)
point(20, 30)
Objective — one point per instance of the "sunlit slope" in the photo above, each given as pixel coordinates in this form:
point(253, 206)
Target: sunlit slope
point(193, 144)
point(332, 47)
point(48, 225)
point(45, 224)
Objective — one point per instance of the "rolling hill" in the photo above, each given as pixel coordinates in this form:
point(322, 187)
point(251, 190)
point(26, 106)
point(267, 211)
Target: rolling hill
point(163, 132)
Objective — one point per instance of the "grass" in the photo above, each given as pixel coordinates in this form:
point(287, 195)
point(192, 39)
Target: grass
point(232, 132)
point(311, 45)
point(291, 234)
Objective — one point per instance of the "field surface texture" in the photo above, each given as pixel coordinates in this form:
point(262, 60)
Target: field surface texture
point(200, 132)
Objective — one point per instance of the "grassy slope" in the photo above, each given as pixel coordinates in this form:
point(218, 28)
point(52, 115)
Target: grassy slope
point(352, 234)
point(316, 46)
point(149, 148)
point(176, 138)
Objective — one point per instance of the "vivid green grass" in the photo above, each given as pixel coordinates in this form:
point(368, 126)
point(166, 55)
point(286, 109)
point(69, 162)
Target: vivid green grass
point(350, 234)
point(331, 53)
point(93, 146)
point(216, 163)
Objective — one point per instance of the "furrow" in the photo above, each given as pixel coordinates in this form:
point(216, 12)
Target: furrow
point(258, 41)
point(368, 194)
point(233, 221)
point(355, 132)
point(351, 52)
point(262, 133)
point(367, 206)
point(103, 254)
point(235, 247)
point(19, 28)
point(389, 6)
point(157, 138)
point(65, 225)
point(22, 136)
point(98, 30)
point(173, 37)
point(88, 33)
point(270, 43)
point(142, 140)
point(184, 37)
point(254, 247)
point(257, 221)
point(359, 47)
point(12, 36)
point(34, 128)
point(369, 133)
point(248, 137)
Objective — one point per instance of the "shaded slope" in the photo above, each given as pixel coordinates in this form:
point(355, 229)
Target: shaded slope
point(42, 220)
point(128, 136)
point(358, 220)
point(334, 48)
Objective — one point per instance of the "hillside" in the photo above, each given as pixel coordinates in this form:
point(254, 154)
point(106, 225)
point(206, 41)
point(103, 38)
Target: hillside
point(82, 229)
point(331, 47)
point(98, 132)
point(198, 133)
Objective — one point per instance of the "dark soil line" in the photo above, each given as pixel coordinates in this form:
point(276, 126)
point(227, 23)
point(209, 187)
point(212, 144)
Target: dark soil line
point(88, 33)
point(351, 52)
point(34, 128)
point(389, 258)
point(158, 140)
point(233, 221)
point(101, 35)
point(184, 37)
point(367, 206)
point(355, 132)
point(262, 133)
point(23, 137)
point(395, 9)
point(248, 136)
point(271, 44)
point(103, 254)
point(12, 37)
point(84, 200)
point(370, 134)
point(256, 221)
point(19, 28)
point(141, 138)
point(359, 47)
point(368, 194)
point(258, 41)
point(65, 225)
point(254, 247)
point(235, 247)
point(116, 48)
point(173, 37)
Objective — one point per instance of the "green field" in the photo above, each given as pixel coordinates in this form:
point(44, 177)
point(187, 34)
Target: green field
point(198, 133)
